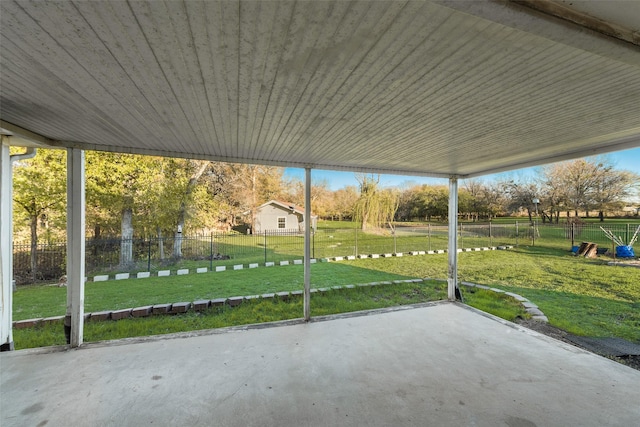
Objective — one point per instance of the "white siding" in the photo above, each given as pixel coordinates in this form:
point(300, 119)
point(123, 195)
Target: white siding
point(267, 219)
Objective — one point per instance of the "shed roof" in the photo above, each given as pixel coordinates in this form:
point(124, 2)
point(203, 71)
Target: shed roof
point(286, 206)
point(432, 88)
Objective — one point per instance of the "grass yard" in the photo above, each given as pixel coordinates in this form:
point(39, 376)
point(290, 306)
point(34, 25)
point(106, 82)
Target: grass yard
point(269, 310)
point(345, 239)
point(46, 301)
point(582, 296)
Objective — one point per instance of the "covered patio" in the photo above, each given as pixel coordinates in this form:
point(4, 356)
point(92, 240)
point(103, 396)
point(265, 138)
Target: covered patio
point(450, 89)
point(440, 364)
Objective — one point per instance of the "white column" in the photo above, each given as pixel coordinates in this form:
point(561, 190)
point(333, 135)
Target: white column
point(75, 243)
point(6, 247)
point(452, 277)
point(307, 244)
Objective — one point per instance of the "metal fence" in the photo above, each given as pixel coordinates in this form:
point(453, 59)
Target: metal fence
point(117, 255)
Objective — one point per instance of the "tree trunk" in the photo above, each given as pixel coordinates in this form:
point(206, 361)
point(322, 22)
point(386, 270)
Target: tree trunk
point(96, 237)
point(601, 216)
point(34, 246)
point(126, 242)
point(254, 203)
point(365, 218)
point(177, 242)
point(160, 244)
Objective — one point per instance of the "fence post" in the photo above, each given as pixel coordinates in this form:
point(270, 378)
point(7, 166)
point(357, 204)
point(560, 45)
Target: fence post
point(395, 242)
point(461, 239)
point(356, 247)
point(429, 235)
point(626, 240)
point(517, 232)
point(149, 255)
point(490, 234)
point(573, 235)
point(313, 241)
point(532, 226)
point(211, 251)
point(265, 246)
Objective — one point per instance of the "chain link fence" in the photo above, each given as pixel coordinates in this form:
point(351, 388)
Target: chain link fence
point(48, 261)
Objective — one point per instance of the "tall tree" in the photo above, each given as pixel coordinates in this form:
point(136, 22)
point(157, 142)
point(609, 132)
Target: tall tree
point(197, 167)
point(521, 195)
point(611, 188)
point(321, 196)
point(118, 187)
point(586, 184)
point(249, 186)
point(374, 207)
point(554, 191)
point(579, 178)
point(433, 201)
point(474, 201)
point(40, 190)
point(344, 201)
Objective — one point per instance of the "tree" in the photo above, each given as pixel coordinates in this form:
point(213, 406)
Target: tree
point(321, 196)
point(433, 201)
point(374, 207)
point(553, 191)
point(495, 199)
point(474, 199)
point(249, 186)
point(611, 187)
point(407, 204)
point(344, 201)
point(118, 186)
point(586, 184)
point(197, 168)
point(521, 196)
point(579, 178)
point(40, 192)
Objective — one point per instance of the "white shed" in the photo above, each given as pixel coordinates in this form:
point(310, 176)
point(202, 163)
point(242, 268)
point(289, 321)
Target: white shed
point(281, 216)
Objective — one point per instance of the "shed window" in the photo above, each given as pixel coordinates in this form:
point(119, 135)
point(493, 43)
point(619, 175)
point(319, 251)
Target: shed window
point(282, 222)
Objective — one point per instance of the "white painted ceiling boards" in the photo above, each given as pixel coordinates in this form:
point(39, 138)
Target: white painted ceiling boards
point(410, 87)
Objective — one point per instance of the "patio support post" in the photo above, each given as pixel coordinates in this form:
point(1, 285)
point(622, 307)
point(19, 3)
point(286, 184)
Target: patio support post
point(452, 277)
point(75, 245)
point(6, 249)
point(307, 244)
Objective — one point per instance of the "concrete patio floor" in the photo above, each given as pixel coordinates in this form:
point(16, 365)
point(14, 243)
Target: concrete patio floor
point(440, 364)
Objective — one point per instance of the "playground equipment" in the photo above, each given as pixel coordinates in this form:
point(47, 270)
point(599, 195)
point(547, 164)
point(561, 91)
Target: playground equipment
point(622, 250)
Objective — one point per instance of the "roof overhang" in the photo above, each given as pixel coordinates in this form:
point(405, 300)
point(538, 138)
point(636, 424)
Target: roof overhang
point(442, 88)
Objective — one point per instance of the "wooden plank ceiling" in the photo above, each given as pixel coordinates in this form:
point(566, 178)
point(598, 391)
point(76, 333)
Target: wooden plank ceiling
point(409, 87)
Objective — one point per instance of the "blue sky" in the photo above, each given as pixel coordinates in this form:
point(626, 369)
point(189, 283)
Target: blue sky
point(627, 159)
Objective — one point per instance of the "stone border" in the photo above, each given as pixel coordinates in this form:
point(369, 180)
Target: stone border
point(202, 305)
point(220, 268)
point(531, 308)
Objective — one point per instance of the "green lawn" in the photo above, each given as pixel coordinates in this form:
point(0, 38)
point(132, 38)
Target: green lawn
point(343, 238)
point(582, 296)
point(268, 310)
point(46, 301)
